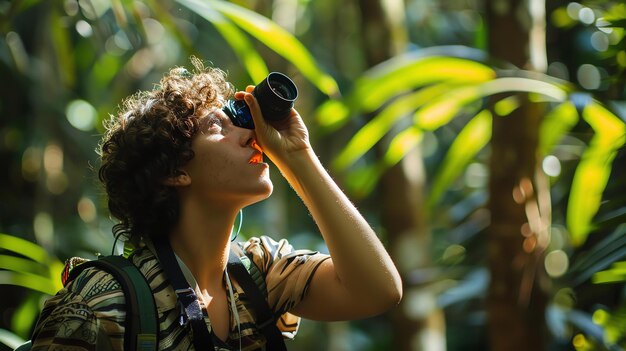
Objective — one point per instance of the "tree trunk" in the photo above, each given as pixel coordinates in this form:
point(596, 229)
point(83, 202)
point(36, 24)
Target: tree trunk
point(401, 198)
point(516, 302)
point(416, 326)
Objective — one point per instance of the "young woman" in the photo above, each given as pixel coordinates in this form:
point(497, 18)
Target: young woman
point(177, 172)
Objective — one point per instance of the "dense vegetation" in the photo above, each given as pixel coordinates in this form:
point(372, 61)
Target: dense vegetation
point(483, 138)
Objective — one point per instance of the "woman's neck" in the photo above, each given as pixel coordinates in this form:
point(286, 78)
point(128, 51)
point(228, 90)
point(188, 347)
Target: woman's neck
point(201, 239)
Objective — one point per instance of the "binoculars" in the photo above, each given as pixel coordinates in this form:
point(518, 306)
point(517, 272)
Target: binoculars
point(275, 95)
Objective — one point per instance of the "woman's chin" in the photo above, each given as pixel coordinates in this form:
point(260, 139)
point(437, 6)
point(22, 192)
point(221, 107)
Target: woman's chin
point(269, 189)
point(263, 192)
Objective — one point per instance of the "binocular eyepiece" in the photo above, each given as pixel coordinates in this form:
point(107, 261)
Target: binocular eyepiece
point(275, 95)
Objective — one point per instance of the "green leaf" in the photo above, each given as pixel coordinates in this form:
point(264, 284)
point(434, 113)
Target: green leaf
point(527, 85)
point(593, 171)
point(474, 136)
point(28, 281)
point(602, 254)
point(555, 124)
point(331, 113)
point(9, 339)
point(252, 61)
point(362, 181)
point(22, 265)
point(561, 19)
point(24, 248)
point(615, 13)
point(376, 128)
point(104, 70)
point(616, 274)
point(405, 73)
point(605, 123)
point(443, 109)
point(506, 106)
point(279, 40)
point(26, 315)
point(62, 48)
point(401, 145)
point(55, 268)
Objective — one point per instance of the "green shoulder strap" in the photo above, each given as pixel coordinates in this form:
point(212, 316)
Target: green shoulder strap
point(242, 269)
point(255, 273)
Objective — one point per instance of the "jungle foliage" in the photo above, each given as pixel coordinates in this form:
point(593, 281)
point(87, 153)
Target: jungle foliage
point(65, 65)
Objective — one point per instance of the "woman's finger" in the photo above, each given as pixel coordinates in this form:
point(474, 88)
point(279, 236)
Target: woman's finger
point(255, 111)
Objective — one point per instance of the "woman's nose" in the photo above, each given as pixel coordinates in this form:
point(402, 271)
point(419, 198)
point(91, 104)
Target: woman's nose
point(248, 137)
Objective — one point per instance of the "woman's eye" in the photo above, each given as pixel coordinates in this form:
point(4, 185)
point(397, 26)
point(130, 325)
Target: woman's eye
point(215, 124)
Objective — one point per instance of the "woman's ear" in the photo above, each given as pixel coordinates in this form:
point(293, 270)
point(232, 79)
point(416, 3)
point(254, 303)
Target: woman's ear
point(180, 179)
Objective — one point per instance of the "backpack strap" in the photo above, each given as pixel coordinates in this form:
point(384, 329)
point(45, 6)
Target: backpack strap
point(141, 326)
point(254, 272)
point(252, 282)
point(187, 298)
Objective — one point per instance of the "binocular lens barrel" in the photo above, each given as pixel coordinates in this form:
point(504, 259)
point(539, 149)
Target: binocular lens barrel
point(275, 94)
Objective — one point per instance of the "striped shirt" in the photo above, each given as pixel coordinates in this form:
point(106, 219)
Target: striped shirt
point(89, 313)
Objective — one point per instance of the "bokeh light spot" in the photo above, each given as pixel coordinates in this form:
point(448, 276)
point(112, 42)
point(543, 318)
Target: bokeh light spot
point(81, 115)
point(551, 166)
point(53, 158)
point(84, 29)
point(57, 183)
point(559, 70)
point(43, 227)
point(588, 76)
point(86, 209)
point(556, 263)
point(579, 342)
point(476, 175)
point(573, 8)
point(71, 7)
point(586, 15)
point(600, 316)
point(599, 41)
point(31, 163)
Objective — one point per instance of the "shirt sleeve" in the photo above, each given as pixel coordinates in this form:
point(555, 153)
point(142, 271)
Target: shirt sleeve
point(70, 321)
point(288, 273)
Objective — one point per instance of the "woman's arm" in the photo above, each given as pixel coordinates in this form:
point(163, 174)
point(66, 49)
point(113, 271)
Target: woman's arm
point(360, 280)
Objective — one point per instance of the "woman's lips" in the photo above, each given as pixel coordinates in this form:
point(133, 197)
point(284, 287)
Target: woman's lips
point(256, 158)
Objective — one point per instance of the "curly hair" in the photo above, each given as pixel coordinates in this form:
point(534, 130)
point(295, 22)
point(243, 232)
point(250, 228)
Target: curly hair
point(148, 140)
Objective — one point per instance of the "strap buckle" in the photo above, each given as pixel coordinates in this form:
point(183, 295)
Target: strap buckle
point(186, 296)
point(186, 299)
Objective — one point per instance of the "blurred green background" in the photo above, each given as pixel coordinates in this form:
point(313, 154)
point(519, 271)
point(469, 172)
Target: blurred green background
point(483, 139)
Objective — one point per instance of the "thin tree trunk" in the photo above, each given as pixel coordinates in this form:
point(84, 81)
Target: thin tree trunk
point(423, 328)
point(516, 302)
point(401, 197)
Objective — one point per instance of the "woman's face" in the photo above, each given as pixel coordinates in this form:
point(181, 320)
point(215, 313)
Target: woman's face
point(227, 167)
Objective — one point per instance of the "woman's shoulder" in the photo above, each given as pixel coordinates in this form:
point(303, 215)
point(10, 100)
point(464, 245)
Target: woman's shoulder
point(72, 316)
point(265, 251)
point(96, 287)
point(266, 246)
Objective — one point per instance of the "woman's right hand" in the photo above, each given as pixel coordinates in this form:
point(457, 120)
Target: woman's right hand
point(280, 140)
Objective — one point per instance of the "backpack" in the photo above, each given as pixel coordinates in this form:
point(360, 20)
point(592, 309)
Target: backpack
point(141, 323)
point(142, 327)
